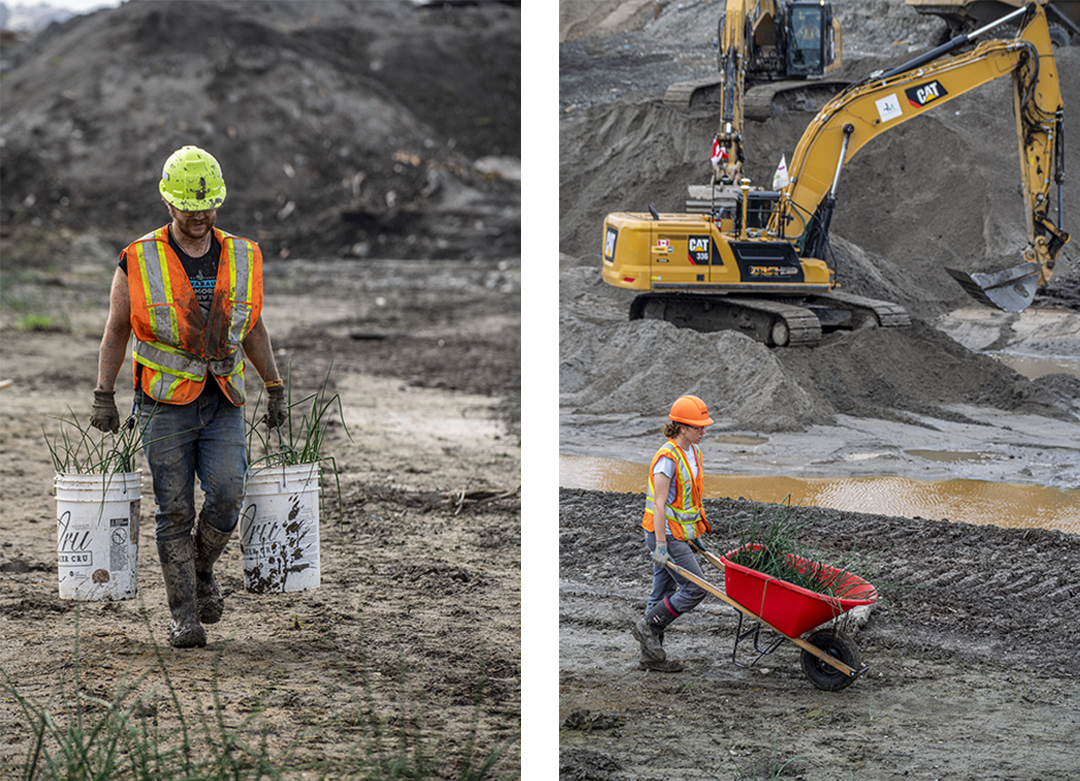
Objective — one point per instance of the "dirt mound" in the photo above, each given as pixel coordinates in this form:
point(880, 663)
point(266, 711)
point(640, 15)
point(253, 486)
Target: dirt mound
point(356, 129)
point(611, 364)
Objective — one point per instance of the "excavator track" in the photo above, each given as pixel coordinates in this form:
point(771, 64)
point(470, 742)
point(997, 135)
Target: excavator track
point(791, 95)
point(777, 323)
point(886, 313)
point(805, 95)
point(699, 92)
point(769, 321)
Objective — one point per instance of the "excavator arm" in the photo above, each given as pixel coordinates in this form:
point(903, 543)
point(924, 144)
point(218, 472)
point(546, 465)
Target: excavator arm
point(735, 25)
point(885, 100)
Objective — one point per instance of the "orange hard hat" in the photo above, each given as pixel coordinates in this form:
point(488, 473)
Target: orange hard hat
point(690, 410)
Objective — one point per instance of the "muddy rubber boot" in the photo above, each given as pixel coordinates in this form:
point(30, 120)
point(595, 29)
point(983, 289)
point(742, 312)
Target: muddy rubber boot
point(669, 665)
point(649, 630)
point(650, 643)
point(178, 568)
point(666, 666)
point(208, 543)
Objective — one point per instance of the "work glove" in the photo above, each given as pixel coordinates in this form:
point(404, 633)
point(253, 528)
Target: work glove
point(698, 543)
point(660, 555)
point(277, 411)
point(104, 416)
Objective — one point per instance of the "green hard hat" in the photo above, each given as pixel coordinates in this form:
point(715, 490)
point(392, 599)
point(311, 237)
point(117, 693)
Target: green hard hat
point(191, 180)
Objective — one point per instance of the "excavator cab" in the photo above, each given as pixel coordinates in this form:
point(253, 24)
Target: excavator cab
point(760, 206)
point(810, 42)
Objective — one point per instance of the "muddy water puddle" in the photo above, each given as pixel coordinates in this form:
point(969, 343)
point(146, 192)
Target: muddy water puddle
point(971, 501)
point(1035, 366)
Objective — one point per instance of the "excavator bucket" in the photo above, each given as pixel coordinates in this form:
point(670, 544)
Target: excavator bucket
point(1010, 290)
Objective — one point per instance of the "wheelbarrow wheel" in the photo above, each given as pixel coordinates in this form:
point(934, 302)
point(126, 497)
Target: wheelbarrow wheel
point(822, 674)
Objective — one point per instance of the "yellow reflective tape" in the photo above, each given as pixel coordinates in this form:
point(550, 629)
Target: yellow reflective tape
point(140, 260)
point(230, 250)
point(166, 278)
point(178, 373)
point(160, 389)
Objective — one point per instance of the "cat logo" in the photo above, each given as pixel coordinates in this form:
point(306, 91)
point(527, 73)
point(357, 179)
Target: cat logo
point(925, 94)
point(697, 250)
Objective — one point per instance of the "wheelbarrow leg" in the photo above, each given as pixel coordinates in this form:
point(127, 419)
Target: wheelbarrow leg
point(755, 633)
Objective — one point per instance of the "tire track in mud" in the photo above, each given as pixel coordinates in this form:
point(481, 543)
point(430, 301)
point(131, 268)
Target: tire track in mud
point(953, 590)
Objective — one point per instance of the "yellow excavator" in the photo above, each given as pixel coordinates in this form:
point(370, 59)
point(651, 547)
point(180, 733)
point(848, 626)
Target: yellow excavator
point(756, 262)
point(766, 49)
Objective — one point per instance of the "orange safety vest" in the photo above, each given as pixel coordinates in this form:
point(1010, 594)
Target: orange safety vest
point(176, 345)
point(685, 518)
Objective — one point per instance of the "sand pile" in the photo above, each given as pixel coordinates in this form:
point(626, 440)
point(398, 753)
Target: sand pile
point(610, 365)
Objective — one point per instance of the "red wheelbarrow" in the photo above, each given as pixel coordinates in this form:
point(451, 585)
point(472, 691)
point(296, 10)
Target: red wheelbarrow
point(829, 658)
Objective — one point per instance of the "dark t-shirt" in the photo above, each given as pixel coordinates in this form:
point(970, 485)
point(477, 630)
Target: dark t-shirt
point(202, 274)
point(202, 271)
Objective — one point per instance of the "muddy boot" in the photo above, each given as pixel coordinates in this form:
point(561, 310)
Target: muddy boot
point(669, 665)
point(650, 643)
point(666, 666)
point(209, 543)
point(649, 630)
point(178, 569)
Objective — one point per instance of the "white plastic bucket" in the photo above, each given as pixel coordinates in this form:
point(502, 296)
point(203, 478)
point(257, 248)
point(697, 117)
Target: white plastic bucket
point(279, 529)
point(97, 535)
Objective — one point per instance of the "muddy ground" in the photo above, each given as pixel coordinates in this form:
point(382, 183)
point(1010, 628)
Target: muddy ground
point(972, 651)
point(419, 602)
point(974, 672)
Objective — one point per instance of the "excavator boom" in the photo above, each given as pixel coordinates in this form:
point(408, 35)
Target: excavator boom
point(885, 100)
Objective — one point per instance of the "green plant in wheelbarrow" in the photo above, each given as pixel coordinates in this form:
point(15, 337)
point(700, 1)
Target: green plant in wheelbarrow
point(777, 580)
point(98, 497)
point(279, 518)
point(774, 549)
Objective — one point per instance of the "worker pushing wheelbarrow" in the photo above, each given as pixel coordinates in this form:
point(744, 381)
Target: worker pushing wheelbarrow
point(676, 480)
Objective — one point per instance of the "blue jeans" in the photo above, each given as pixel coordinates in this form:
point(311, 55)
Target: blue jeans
point(681, 593)
point(203, 438)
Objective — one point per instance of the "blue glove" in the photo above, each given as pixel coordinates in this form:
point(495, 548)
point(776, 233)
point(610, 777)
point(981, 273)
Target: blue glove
point(660, 555)
point(698, 543)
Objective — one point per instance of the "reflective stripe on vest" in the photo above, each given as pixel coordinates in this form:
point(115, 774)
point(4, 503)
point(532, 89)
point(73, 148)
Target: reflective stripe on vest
point(157, 286)
point(238, 253)
point(163, 358)
point(684, 514)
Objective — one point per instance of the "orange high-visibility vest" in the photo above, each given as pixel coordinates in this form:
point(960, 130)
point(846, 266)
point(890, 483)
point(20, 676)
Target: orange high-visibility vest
point(176, 345)
point(685, 518)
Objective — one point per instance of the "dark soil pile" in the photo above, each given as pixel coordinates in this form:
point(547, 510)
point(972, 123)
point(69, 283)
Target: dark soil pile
point(344, 128)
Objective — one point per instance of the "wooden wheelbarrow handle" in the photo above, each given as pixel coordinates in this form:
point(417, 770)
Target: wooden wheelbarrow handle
point(809, 647)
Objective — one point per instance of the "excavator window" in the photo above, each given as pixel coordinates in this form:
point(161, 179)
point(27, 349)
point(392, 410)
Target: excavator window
point(807, 36)
point(759, 209)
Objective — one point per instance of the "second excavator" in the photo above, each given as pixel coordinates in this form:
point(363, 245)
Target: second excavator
point(767, 50)
point(756, 262)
